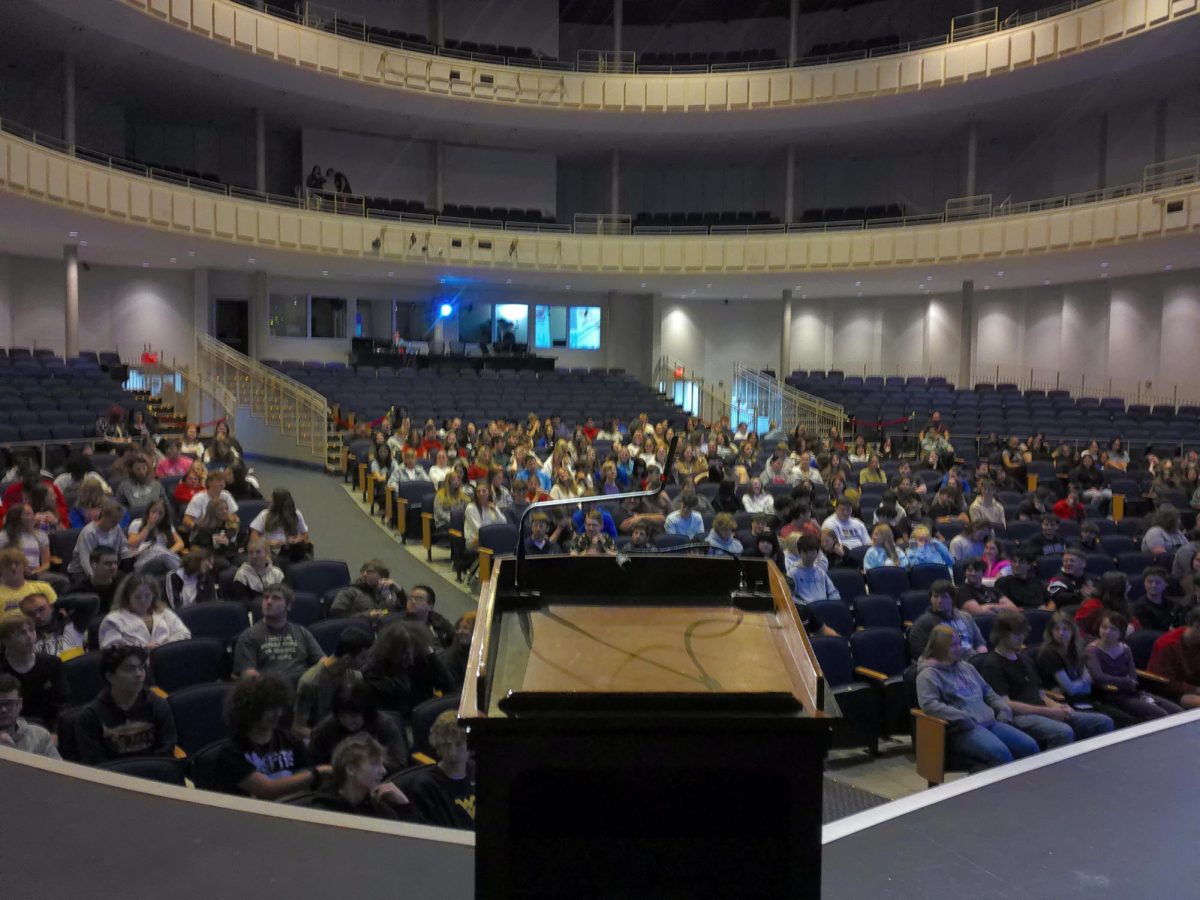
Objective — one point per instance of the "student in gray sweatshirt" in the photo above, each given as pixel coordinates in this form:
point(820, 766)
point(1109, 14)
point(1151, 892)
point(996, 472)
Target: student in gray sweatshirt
point(981, 732)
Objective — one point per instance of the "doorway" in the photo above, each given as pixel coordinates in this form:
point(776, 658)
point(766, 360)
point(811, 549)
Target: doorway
point(232, 324)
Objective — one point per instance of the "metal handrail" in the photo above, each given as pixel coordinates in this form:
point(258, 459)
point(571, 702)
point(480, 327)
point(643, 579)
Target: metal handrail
point(783, 404)
point(296, 410)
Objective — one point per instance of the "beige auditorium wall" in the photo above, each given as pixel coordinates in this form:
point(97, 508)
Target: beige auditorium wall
point(119, 308)
point(711, 337)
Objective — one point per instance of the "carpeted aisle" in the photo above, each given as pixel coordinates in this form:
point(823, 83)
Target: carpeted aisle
point(340, 530)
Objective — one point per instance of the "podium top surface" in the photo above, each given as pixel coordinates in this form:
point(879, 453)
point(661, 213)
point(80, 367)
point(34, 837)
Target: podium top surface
point(667, 635)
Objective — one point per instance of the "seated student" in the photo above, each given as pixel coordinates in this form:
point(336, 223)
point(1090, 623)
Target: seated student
point(970, 544)
point(593, 541)
point(1065, 588)
point(444, 794)
point(1164, 538)
point(1089, 537)
point(357, 785)
point(1014, 677)
point(1070, 507)
point(13, 585)
point(256, 574)
point(685, 521)
point(140, 618)
point(173, 464)
point(407, 469)
point(15, 732)
point(216, 532)
point(1110, 663)
point(606, 522)
point(942, 612)
point(125, 719)
point(953, 690)
point(883, 550)
point(374, 594)
point(639, 540)
point(851, 532)
point(1154, 609)
point(721, 534)
point(419, 610)
point(1109, 592)
point(139, 488)
point(402, 668)
point(1048, 543)
point(274, 645)
point(925, 549)
point(21, 531)
point(193, 582)
point(283, 527)
point(1023, 587)
point(1061, 666)
point(756, 500)
point(104, 532)
point(538, 542)
point(1176, 657)
point(315, 690)
point(986, 507)
point(56, 633)
point(262, 760)
point(241, 484)
point(810, 582)
point(43, 683)
point(635, 511)
point(105, 578)
point(153, 535)
point(354, 710)
point(974, 597)
point(453, 659)
point(214, 488)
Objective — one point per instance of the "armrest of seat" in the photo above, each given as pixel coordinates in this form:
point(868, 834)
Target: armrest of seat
point(930, 746)
point(389, 505)
point(872, 674)
point(485, 563)
point(427, 534)
point(423, 759)
point(345, 459)
point(159, 692)
point(362, 480)
point(373, 482)
point(1156, 684)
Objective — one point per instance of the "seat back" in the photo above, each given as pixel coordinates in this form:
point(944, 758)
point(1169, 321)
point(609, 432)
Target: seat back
point(423, 716)
point(921, 577)
point(1141, 645)
point(1037, 619)
point(890, 580)
point(163, 769)
point(329, 631)
point(84, 680)
point(877, 611)
point(834, 658)
point(199, 713)
point(223, 620)
point(181, 664)
point(833, 614)
point(500, 539)
point(316, 576)
point(881, 649)
point(849, 584)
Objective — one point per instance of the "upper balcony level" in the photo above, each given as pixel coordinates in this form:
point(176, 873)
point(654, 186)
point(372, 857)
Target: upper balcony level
point(353, 68)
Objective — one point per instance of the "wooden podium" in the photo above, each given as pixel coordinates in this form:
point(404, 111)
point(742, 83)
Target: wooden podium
point(649, 727)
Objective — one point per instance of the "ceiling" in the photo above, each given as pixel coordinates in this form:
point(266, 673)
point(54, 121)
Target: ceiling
point(33, 228)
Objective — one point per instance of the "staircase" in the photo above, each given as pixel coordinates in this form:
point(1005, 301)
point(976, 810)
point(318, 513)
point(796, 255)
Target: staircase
point(763, 398)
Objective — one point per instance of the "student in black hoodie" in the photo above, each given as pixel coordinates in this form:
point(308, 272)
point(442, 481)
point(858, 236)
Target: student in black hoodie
point(126, 719)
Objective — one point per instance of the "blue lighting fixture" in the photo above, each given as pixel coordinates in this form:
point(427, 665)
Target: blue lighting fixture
point(445, 310)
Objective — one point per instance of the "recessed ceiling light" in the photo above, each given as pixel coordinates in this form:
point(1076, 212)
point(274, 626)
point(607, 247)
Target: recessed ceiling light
point(145, 265)
point(1047, 281)
point(83, 243)
point(251, 260)
point(858, 284)
point(173, 259)
point(929, 278)
point(324, 271)
point(804, 296)
point(391, 274)
point(191, 253)
point(508, 281)
point(1104, 265)
point(987, 287)
point(568, 287)
point(1168, 267)
point(72, 234)
point(1000, 273)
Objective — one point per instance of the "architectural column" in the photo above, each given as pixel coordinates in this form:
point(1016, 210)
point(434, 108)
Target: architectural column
point(966, 340)
point(260, 312)
point(260, 150)
point(1160, 130)
point(614, 183)
point(618, 26)
point(437, 165)
point(6, 329)
point(71, 317)
point(606, 339)
point(69, 99)
point(793, 32)
point(785, 336)
point(969, 189)
point(1102, 154)
point(436, 35)
point(789, 185)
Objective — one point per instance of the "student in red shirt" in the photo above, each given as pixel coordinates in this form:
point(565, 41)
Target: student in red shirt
point(1070, 507)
